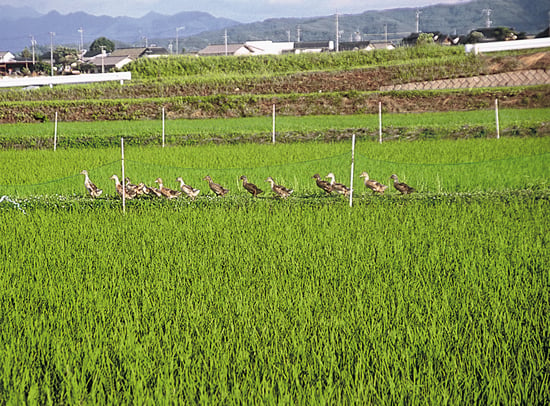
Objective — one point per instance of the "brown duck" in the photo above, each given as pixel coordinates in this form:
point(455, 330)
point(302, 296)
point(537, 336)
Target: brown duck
point(281, 191)
point(337, 187)
point(251, 187)
point(167, 192)
point(137, 189)
point(373, 185)
point(128, 194)
point(190, 191)
point(323, 184)
point(92, 189)
point(400, 186)
point(219, 190)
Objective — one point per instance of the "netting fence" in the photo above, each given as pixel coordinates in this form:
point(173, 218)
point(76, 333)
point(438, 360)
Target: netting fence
point(501, 174)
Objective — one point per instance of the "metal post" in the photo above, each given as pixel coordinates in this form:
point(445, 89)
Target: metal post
point(380, 122)
point(55, 133)
point(496, 115)
point(352, 165)
point(273, 136)
point(123, 181)
point(163, 127)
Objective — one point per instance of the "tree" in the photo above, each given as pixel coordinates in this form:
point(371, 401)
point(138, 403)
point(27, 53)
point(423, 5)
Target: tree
point(95, 47)
point(26, 54)
point(64, 55)
point(425, 39)
point(474, 37)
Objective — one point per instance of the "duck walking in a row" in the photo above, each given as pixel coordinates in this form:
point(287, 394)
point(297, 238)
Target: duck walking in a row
point(131, 191)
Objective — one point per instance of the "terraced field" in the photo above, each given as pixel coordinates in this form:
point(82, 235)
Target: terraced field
point(436, 297)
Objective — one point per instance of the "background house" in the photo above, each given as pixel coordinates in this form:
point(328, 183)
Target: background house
point(6, 56)
point(229, 49)
point(123, 56)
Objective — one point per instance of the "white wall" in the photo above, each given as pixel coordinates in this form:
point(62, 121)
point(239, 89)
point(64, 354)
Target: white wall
point(508, 45)
point(64, 80)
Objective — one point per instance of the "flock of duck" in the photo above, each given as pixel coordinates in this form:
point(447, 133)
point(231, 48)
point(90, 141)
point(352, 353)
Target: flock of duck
point(131, 191)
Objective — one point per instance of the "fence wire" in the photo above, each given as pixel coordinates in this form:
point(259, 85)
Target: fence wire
point(500, 174)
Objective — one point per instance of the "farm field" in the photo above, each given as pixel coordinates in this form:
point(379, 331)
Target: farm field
point(437, 297)
point(432, 166)
point(457, 124)
point(441, 295)
point(300, 301)
point(225, 87)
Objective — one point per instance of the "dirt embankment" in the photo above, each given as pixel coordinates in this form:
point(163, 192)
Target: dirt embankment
point(344, 92)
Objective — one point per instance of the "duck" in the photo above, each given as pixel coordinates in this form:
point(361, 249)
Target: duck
point(251, 187)
point(92, 189)
point(337, 187)
point(190, 191)
point(219, 190)
point(149, 190)
point(137, 189)
point(373, 185)
point(281, 191)
point(400, 186)
point(122, 192)
point(166, 192)
point(323, 184)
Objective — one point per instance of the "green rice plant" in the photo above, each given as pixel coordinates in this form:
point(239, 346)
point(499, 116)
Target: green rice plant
point(191, 131)
point(395, 301)
point(429, 166)
point(190, 66)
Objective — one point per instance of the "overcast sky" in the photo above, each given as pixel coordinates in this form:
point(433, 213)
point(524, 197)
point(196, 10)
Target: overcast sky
point(240, 10)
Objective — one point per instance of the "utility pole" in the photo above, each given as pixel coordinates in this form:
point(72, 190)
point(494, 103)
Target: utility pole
point(225, 41)
point(386, 33)
point(488, 21)
point(337, 34)
point(81, 31)
point(33, 44)
point(177, 36)
point(51, 51)
point(288, 35)
point(298, 34)
point(418, 12)
point(102, 58)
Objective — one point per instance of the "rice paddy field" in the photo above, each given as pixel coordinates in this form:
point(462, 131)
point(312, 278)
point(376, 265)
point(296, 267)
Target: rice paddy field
point(438, 297)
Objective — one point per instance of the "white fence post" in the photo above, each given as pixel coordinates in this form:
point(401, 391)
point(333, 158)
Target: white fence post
point(55, 133)
point(352, 165)
point(163, 127)
point(123, 181)
point(380, 122)
point(273, 136)
point(496, 116)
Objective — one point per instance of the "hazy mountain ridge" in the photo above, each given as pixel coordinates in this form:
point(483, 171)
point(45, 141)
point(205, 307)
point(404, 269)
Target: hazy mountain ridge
point(201, 29)
point(15, 32)
point(461, 18)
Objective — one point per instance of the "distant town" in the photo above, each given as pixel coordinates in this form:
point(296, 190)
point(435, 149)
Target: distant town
point(103, 57)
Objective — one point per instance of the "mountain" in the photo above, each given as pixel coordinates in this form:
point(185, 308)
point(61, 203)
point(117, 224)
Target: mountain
point(201, 29)
point(15, 32)
point(15, 13)
point(524, 16)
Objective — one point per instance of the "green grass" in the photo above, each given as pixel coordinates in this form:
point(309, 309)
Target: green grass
point(275, 302)
point(73, 134)
point(430, 166)
point(438, 297)
point(220, 65)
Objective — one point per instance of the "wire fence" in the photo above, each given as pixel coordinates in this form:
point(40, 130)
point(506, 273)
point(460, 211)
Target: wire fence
point(502, 174)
